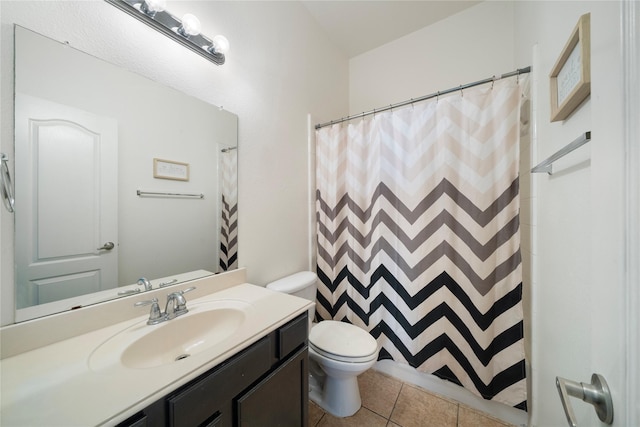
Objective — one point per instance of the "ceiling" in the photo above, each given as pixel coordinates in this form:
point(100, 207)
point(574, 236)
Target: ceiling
point(358, 26)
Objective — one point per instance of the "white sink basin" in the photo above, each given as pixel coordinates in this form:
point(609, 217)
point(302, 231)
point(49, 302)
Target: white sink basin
point(143, 346)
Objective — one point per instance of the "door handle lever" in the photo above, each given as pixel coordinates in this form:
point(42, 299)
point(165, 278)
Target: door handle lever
point(107, 246)
point(597, 394)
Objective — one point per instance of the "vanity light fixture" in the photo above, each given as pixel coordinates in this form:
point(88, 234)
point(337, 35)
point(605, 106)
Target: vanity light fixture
point(185, 31)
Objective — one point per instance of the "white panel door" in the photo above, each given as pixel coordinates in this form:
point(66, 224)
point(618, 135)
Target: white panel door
point(586, 299)
point(66, 201)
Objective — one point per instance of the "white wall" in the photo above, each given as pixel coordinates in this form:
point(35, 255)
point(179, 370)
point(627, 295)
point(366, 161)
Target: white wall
point(472, 45)
point(280, 67)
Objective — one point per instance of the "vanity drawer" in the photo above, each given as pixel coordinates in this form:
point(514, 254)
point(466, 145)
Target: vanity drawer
point(200, 401)
point(153, 415)
point(292, 336)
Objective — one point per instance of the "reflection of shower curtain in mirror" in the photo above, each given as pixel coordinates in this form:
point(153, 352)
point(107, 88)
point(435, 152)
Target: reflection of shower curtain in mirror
point(229, 211)
point(418, 236)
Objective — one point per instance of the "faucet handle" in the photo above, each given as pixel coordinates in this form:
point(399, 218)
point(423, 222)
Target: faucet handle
point(179, 294)
point(155, 315)
point(170, 282)
point(180, 298)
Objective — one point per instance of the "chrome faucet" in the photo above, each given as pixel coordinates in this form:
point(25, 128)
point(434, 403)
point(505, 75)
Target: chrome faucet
point(176, 306)
point(143, 281)
point(176, 303)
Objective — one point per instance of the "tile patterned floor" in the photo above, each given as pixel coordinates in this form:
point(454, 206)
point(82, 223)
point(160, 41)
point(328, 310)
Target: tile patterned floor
point(388, 402)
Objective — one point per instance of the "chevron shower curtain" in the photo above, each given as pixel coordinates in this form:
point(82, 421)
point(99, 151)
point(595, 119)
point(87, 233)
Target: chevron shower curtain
point(418, 236)
point(229, 211)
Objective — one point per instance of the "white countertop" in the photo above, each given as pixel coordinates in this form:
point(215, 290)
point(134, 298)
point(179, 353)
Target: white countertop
point(55, 386)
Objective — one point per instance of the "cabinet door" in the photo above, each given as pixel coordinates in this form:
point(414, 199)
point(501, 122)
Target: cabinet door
point(281, 399)
point(207, 400)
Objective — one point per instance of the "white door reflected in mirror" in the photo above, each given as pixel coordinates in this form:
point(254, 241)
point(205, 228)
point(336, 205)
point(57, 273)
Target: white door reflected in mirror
point(67, 166)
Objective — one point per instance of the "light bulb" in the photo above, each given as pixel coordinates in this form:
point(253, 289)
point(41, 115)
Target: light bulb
point(190, 25)
point(155, 5)
point(220, 44)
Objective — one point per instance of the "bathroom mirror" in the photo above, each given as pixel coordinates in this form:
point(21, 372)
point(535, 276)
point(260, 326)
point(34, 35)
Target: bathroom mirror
point(116, 178)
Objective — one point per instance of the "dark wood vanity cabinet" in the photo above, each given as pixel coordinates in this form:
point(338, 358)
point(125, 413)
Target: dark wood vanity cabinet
point(265, 384)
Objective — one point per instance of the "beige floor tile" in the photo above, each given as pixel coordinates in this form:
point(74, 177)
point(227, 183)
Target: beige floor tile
point(315, 414)
point(417, 408)
point(390, 424)
point(468, 417)
point(379, 392)
point(362, 418)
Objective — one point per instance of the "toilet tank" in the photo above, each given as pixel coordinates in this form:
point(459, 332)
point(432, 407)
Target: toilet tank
point(301, 284)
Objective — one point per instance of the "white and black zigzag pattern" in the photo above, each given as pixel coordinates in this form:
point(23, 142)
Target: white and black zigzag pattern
point(228, 254)
point(418, 237)
point(229, 236)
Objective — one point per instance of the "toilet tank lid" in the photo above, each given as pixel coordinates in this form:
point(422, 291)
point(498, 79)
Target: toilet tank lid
point(294, 282)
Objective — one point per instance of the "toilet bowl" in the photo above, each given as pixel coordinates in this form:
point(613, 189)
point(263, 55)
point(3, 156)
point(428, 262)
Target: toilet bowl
point(338, 353)
point(342, 351)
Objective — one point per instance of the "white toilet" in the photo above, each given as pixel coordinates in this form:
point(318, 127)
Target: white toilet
point(338, 352)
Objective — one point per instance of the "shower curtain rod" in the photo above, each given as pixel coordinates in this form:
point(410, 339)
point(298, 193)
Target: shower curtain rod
point(424, 98)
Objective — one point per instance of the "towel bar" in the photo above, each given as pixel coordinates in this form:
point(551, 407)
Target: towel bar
point(166, 194)
point(546, 165)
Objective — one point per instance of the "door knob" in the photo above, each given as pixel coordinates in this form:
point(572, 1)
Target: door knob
point(107, 246)
point(597, 393)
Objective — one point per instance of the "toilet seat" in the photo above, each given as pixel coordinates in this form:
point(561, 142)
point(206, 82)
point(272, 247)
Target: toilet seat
point(343, 342)
point(340, 358)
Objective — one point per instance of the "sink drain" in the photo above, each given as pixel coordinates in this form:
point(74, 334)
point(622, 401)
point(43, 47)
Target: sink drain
point(182, 356)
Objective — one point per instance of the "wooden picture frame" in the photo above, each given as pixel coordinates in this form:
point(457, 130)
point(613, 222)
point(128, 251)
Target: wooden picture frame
point(570, 78)
point(169, 169)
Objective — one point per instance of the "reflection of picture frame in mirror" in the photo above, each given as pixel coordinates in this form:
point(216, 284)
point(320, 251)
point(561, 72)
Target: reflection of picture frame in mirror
point(570, 78)
point(169, 169)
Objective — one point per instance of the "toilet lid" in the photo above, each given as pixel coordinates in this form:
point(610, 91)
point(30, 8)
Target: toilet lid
point(342, 340)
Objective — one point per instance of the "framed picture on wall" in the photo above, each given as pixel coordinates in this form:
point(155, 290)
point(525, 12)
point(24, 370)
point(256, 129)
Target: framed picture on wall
point(570, 78)
point(169, 169)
